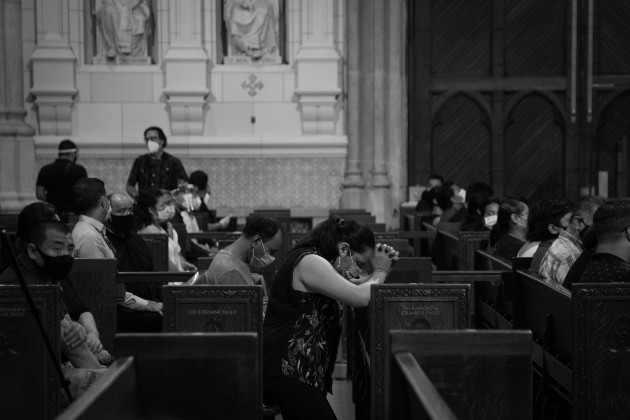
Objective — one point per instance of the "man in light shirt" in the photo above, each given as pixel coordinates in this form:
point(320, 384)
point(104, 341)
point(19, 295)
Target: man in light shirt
point(90, 240)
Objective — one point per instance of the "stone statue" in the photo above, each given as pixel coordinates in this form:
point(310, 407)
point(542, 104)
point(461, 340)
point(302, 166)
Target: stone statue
point(123, 30)
point(253, 28)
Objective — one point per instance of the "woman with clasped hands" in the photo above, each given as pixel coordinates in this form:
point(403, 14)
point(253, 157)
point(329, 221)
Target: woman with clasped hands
point(303, 322)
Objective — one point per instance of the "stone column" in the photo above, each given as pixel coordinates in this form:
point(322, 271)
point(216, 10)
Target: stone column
point(186, 65)
point(17, 151)
point(53, 69)
point(353, 184)
point(317, 67)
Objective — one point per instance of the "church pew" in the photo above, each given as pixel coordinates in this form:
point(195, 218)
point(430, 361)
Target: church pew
point(177, 376)
point(29, 386)
point(215, 309)
point(601, 357)
point(95, 282)
point(377, 227)
point(422, 306)
point(419, 240)
point(210, 238)
point(344, 212)
point(410, 270)
point(472, 375)
point(158, 245)
point(203, 263)
point(545, 308)
point(9, 221)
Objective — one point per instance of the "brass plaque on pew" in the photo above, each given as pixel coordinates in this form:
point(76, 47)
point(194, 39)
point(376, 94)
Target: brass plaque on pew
point(601, 360)
point(410, 307)
point(212, 308)
point(29, 387)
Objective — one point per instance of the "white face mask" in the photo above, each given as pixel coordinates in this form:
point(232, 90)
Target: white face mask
point(490, 220)
point(153, 146)
point(264, 261)
point(206, 200)
point(196, 202)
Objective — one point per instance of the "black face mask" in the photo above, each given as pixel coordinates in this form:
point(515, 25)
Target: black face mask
point(122, 224)
point(56, 267)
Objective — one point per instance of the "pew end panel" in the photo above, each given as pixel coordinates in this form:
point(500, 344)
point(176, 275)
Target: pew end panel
point(601, 360)
point(29, 386)
point(421, 401)
point(113, 396)
point(95, 282)
point(417, 307)
point(208, 308)
point(469, 243)
point(479, 374)
point(410, 270)
point(195, 375)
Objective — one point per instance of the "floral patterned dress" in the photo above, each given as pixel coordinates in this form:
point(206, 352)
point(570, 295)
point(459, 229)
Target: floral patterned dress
point(301, 331)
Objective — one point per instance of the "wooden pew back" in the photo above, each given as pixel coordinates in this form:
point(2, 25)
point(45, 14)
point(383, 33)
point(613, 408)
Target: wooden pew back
point(545, 309)
point(479, 374)
point(95, 282)
point(158, 245)
point(29, 387)
point(410, 270)
point(417, 307)
point(177, 376)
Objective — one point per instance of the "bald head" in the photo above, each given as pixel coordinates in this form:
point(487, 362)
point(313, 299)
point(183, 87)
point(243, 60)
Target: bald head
point(121, 203)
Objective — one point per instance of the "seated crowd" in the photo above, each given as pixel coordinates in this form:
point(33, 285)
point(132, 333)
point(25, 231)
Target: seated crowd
point(335, 264)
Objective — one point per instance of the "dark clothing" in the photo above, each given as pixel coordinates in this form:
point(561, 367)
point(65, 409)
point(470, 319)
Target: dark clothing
point(297, 400)
point(507, 247)
point(459, 216)
point(71, 303)
point(539, 255)
point(606, 268)
point(58, 178)
point(301, 331)
point(132, 254)
point(148, 172)
point(578, 268)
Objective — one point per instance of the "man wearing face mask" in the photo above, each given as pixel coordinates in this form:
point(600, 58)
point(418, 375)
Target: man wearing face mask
point(47, 259)
point(256, 247)
point(90, 235)
point(132, 254)
point(566, 249)
point(201, 201)
point(55, 180)
point(156, 169)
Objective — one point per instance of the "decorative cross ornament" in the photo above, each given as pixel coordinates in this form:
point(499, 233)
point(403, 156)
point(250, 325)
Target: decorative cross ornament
point(252, 86)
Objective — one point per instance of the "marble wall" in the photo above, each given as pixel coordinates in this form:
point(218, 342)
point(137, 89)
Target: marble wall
point(244, 183)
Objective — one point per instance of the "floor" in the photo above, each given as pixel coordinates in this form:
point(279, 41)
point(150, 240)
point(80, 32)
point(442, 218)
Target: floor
point(341, 399)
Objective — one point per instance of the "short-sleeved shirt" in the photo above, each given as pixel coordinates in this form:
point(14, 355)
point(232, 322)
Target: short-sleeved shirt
point(33, 274)
point(149, 172)
point(58, 178)
point(227, 269)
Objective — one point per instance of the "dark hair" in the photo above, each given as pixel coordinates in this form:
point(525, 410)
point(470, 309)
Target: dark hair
point(589, 203)
point(86, 194)
point(160, 132)
point(66, 146)
point(611, 219)
point(550, 211)
point(326, 235)
point(146, 200)
point(199, 179)
point(31, 215)
point(478, 200)
point(39, 231)
point(443, 196)
point(265, 227)
point(508, 207)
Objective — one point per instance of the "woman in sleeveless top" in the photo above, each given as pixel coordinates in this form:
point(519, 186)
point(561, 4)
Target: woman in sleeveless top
point(303, 321)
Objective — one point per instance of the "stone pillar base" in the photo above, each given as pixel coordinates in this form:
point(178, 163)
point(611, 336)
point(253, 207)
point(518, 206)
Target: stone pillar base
point(17, 172)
